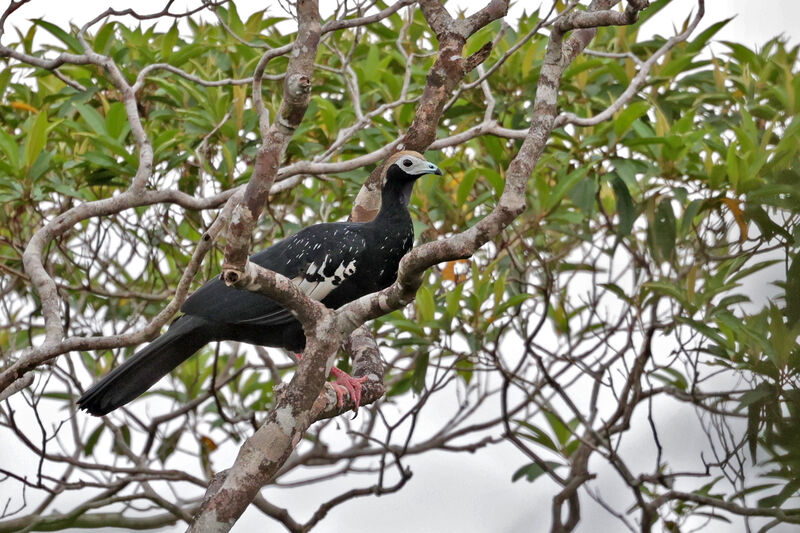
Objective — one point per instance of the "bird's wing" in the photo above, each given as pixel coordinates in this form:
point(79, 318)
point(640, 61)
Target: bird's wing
point(317, 259)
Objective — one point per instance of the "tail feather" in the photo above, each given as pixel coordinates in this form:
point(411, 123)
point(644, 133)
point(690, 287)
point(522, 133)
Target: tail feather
point(133, 377)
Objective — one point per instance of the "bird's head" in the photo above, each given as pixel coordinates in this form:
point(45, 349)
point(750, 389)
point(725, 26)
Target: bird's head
point(402, 170)
point(409, 165)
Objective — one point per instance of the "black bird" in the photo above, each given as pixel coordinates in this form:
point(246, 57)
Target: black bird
point(334, 263)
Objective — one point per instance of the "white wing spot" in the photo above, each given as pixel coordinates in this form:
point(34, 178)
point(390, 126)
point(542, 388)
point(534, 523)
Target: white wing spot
point(317, 285)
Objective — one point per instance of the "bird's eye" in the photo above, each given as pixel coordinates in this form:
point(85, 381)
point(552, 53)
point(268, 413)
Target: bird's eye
point(407, 163)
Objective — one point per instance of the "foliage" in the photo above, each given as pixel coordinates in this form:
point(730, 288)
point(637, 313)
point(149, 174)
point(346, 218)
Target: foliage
point(656, 263)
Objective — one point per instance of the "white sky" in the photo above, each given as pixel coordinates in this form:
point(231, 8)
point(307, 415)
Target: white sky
point(468, 493)
point(755, 22)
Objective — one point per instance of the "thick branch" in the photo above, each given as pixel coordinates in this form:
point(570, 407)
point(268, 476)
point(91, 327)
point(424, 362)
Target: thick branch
point(296, 407)
point(447, 72)
point(296, 96)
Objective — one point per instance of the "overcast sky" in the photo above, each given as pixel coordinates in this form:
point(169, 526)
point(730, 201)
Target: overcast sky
point(754, 22)
point(468, 493)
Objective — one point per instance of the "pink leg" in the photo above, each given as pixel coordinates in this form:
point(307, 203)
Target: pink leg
point(345, 383)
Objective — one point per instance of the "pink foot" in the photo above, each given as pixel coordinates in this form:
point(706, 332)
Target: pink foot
point(347, 383)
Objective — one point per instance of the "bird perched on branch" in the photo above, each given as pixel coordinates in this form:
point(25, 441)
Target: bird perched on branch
point(333, 263)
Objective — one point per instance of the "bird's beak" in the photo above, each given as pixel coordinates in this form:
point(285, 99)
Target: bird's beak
point(433, 169)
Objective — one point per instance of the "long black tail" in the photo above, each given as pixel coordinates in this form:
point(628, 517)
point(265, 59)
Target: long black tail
point(184, 337)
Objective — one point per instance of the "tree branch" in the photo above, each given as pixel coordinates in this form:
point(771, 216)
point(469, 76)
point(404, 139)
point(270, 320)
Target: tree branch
point(296, 96)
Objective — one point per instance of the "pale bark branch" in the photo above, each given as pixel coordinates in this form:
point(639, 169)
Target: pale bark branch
point(35, 356)
point(638, 80)
point(300, 403)
point(58, 521)
point(448, 70)
point(296, 97)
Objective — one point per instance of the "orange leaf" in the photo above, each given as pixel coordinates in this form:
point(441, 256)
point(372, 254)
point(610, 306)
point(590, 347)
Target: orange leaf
point(22, 105)
point(733, 205)
point(208, 444)
point(449, 272)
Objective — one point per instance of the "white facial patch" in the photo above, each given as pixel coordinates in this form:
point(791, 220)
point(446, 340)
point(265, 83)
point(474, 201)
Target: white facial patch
point(414, 166)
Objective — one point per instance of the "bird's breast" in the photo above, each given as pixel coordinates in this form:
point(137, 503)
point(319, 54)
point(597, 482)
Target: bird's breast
point(392, 249)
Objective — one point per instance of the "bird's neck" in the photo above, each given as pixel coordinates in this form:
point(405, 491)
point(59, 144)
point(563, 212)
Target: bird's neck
point(395, 198)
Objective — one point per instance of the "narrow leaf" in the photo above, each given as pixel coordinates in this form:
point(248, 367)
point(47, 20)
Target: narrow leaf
point(631, 113)
point(36, 139)
point(625, 209)
point(664, 232)
point(420, 369)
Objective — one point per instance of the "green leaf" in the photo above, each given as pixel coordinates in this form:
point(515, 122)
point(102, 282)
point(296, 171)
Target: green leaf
point(537, 435)
point(72, 42)
point(40, 166)
point(566, 183)
point(495, 179)
point(453, 301)
point(169, 445)
point(666, 288)
point(732, 165)
point(616, 289)
point(532, 471)
point(702, 328)
point(100, 159)
point(789, 490)
point(426, 307)
point(185, 54)
point(561, 430)
point(664, 232)
point(116, 120)
point(761, 393)
point(466, 185)
point(793, 292)
point(672, 377)
point(743, 54)
point(651, 11)
point(628, 115)
point(91, 442)
point(125, 433)
point(36, 139)
point(676, 66)
point(625, 209)
point(689, 213)
point(103, 36)
point(371, 70)
point(782, 341)
point(420, 369)
point(583, 194)
point(530, 56)
point(93, 118)
point(10, 147)
point(399, 387)
point(170, 39)
point(328, 112)
point(5, 77)
point(765, 224)
point(753, 422)
point(700, 41)
point(513, 301)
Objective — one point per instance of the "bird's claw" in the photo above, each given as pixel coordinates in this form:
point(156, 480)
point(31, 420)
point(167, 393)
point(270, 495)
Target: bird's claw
point(347, 383)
